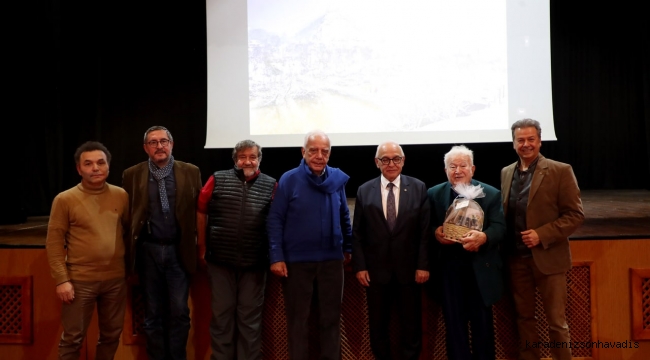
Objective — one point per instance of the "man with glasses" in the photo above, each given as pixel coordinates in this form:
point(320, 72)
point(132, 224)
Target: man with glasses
point(163, 193)
point(390, 257)
point(309, 242)
point(469, 270)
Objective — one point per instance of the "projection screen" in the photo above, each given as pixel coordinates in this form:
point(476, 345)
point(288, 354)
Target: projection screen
point(416, 72)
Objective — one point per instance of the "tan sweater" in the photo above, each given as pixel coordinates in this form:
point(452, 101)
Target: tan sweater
point(92, 225)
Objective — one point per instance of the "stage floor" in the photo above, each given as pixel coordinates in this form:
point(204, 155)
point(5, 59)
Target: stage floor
point(609, 214)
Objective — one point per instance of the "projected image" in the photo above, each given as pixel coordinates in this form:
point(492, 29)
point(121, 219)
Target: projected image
point(376, 66)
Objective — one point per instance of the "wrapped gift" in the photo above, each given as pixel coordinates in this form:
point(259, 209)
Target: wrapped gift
point(464, 213)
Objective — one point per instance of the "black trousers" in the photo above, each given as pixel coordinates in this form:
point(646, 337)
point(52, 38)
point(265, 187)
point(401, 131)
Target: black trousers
point(462, 303)
point(408, 301)
point(298, 287)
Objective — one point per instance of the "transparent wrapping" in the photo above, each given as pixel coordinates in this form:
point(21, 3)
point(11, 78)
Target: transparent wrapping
point(464, 213)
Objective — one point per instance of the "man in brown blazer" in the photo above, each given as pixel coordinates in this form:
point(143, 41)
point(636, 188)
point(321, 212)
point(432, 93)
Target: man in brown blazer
point(162, 195)
point(541, 202)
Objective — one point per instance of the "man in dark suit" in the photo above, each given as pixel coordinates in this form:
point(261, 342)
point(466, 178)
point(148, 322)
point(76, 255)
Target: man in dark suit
point(470, 270)
point(389, 251)
point(163, 194)
point(541, 200)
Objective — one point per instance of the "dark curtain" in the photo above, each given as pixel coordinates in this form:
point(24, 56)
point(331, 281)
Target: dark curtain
point(107, 70)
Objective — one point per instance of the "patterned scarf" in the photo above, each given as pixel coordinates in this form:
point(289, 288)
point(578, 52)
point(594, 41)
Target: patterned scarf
point(160, 175)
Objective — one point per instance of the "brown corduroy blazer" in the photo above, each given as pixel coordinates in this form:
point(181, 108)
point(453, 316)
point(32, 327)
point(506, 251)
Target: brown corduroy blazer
point(554, 211)
point(188, 186)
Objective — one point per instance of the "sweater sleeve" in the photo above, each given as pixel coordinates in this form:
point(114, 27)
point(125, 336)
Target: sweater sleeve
point(346, 227)
point(359, 238)
point(276, 220)
point(205, 196)
point(57, 228)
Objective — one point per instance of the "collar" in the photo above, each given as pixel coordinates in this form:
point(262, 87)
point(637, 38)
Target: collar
point(240, 174)
point(86, 190)
point(531, 166)
point(397, 182)
point(256, 174)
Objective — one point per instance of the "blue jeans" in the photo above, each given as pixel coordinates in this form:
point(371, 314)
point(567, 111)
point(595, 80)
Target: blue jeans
point(166, 288)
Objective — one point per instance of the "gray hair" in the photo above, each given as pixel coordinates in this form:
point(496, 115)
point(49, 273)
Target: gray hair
point(246, 144)
point(157, 127)
point(386, 143)
point(315, 133)
point(524, 123)
point(459, 150)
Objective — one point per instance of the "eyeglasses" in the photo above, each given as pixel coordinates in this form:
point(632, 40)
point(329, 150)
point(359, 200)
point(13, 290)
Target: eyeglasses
point(154, 143)
point(396, 160)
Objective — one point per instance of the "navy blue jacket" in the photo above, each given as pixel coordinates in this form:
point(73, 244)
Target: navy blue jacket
point(487, 261)
point(309, 219)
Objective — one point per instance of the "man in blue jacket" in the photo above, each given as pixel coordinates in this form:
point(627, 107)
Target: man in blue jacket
point(309, 242)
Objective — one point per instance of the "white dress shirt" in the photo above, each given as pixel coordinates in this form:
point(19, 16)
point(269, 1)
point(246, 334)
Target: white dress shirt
point(384, 193)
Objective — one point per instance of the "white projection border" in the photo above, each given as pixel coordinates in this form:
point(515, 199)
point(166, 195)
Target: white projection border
point(366, 71)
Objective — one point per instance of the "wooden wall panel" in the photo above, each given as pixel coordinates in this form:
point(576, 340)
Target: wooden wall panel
point(46, 306)
point(609, 263)
point(640, 302)
point(612, 260)
point(355, 342)
point(16, 309)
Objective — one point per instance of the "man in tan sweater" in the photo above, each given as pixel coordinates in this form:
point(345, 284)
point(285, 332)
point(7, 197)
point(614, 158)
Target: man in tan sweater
point(85, 248)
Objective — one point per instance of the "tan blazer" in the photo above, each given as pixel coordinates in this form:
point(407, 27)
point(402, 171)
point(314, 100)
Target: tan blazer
point(554, 211)
point(188, 185)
